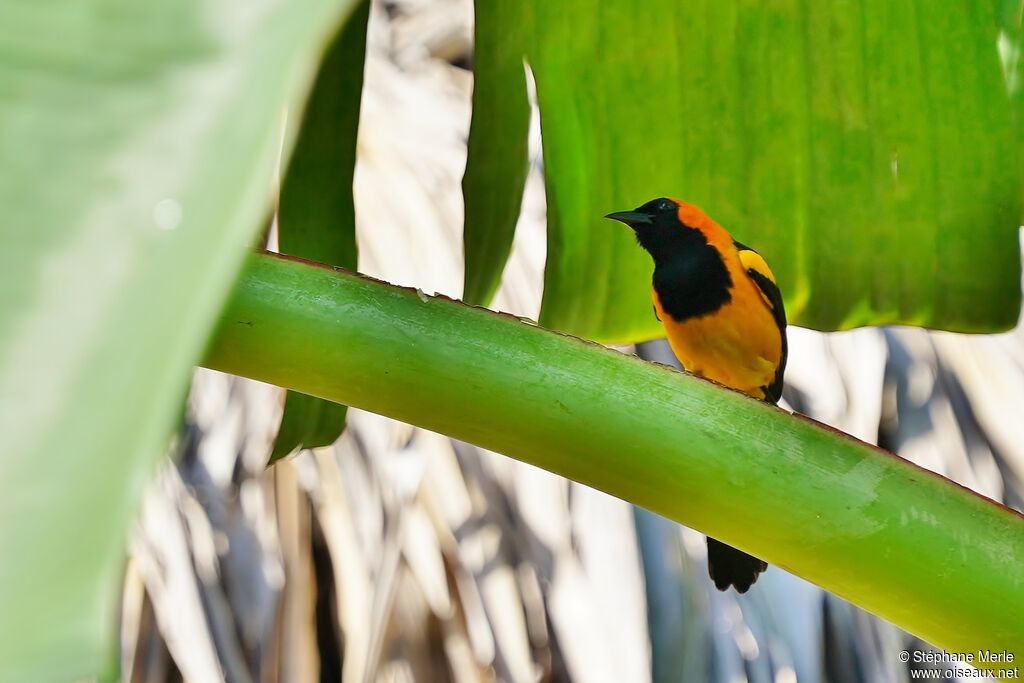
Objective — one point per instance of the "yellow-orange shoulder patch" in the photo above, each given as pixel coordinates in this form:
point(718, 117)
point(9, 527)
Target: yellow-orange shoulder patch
point(751, 260)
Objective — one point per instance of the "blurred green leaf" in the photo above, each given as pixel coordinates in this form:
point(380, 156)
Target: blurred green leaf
point(316, 217)
point(496, 164)
point(137, 142)
point(866, 148)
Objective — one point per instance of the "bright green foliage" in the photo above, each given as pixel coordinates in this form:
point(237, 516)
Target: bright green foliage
point(496, 164)
point(1010, 15)
point(316, 218)
point(852, 518)
point(137, 142)
point(866, 148)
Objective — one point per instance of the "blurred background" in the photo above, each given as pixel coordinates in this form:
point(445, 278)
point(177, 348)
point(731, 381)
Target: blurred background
point(401, 555)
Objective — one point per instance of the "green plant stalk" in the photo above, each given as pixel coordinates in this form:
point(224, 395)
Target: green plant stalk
point(902, 542)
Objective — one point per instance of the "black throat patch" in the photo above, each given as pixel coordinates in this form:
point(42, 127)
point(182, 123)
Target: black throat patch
point(690, 278)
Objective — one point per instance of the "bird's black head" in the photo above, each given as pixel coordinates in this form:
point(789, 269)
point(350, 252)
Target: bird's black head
point(658, 228)
point(690, 276)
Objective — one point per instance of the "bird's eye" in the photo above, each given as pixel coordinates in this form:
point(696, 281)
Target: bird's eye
point(666, 205)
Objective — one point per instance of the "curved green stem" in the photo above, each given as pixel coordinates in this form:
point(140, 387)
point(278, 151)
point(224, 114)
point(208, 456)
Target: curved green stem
point(902, 542)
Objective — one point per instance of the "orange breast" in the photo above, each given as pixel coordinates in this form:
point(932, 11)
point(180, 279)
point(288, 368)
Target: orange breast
point(738, 345)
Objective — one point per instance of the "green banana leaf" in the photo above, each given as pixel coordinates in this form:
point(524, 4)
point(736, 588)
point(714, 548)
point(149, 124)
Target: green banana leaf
point(496, 162)
point(868, 149)
point(316, 217)
point(137, 142)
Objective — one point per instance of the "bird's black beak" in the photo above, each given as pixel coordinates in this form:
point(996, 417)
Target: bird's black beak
point(633, 219)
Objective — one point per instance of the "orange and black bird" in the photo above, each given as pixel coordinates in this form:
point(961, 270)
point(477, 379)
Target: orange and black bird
point(723, 316)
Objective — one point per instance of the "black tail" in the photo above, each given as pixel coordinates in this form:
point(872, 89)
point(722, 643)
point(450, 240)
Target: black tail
point(731, 567)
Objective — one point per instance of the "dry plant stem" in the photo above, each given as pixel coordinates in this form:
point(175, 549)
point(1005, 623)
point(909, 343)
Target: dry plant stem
point(902, 542)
